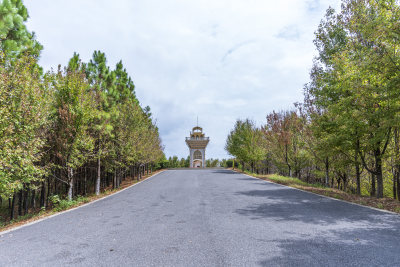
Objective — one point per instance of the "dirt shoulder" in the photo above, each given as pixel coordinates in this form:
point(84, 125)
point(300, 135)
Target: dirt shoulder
point(387, 204)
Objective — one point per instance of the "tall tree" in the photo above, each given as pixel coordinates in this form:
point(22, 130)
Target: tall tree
point(23, 122)
point(72, 113)
point(14, 36)
point(245, 142)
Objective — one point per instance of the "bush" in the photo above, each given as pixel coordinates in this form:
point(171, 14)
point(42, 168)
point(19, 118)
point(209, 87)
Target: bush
point(229, 163)
point(64, 204)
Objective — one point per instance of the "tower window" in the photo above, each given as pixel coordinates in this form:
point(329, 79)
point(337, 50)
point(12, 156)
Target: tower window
point(197, 155)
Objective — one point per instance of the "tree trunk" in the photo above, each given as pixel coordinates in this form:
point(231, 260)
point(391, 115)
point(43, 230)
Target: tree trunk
point(358, 179)
point(357, 165)
point(85, 183)
point(373, 188)
point(397, 159)
point(26, 202)
point(398, 185)
point(33, 199)
point(71, 182)
point(119, 177)
point(12, 207)
point(98, 180)
point(394, 187)
point(326, 171)
point(115, 179)
point(345, 182)
point(20, 196)
point(379, 176)
point(42, 194)
point(49, 189)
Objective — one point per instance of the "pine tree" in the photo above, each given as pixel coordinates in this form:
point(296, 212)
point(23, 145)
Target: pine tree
point(14, 36)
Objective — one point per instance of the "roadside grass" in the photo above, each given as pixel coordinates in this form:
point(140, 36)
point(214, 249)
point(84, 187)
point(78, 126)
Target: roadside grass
point(388, 204)
point(59, 205)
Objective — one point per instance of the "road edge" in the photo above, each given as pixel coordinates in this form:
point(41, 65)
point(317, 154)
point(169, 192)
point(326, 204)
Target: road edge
point(75, 208)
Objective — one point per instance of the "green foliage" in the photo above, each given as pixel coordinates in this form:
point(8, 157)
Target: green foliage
point(23, 120)
point(59, 204)
point(14, 37)
point(229, 163)
point(355, 82)
point(72, 114)
point(56, 128)
point(346, 133)
point(284, 133)
point(212, 163)
point(245, 142)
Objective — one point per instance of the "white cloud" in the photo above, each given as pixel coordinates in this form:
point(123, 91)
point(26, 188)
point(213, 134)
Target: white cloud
point(219, 60)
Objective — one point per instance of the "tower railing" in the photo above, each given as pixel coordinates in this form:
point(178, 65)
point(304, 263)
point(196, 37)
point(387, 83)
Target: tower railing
point(198, 139)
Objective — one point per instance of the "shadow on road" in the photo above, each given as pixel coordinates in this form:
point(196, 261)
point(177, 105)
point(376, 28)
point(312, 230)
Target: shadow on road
point(284, 203)
point(344, 248)
point(224, 171)
point(343, 231)
point(249, 179)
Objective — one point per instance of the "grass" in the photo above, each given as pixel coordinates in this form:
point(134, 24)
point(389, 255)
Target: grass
point(59, 205)
point(388, 204)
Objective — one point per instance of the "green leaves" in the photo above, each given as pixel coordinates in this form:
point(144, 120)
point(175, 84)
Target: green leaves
point(355, 82)
point(245, 142)
point(54, 125)
point(73, 112)
point(24, 111)
point(14, 37)
point(123, 131)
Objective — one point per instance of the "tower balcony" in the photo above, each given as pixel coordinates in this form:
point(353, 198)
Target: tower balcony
point(197, 138)
point(197, 142)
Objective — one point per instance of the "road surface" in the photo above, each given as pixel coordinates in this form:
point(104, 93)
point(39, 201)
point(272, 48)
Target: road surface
point(208, 217)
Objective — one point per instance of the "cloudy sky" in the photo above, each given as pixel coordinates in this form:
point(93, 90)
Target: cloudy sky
point(219, 60)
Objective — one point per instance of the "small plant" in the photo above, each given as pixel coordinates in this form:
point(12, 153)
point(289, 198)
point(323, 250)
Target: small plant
point(82, 199)
point(63, 204)
point(54, 200)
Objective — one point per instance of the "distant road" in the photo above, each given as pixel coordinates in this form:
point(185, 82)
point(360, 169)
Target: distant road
point(208, 218)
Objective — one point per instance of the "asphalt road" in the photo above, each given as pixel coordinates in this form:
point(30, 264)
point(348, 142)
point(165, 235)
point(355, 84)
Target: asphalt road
point(208, 218)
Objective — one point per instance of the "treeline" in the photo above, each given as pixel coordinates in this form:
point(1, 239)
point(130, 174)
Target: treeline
point(70, 132)
point(346, 133)
point(175, 162)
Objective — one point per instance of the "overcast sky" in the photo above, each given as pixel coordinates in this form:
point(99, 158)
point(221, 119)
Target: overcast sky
point(219, 60)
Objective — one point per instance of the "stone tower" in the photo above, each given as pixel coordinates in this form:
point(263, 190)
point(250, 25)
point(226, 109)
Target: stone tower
point(197, 144)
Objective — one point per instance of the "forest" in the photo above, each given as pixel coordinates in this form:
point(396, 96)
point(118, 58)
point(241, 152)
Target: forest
point(345, 133)
point(66, 133)
point(175, 162)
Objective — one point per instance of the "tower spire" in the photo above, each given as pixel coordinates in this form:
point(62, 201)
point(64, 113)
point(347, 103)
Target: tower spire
point(197, 121)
